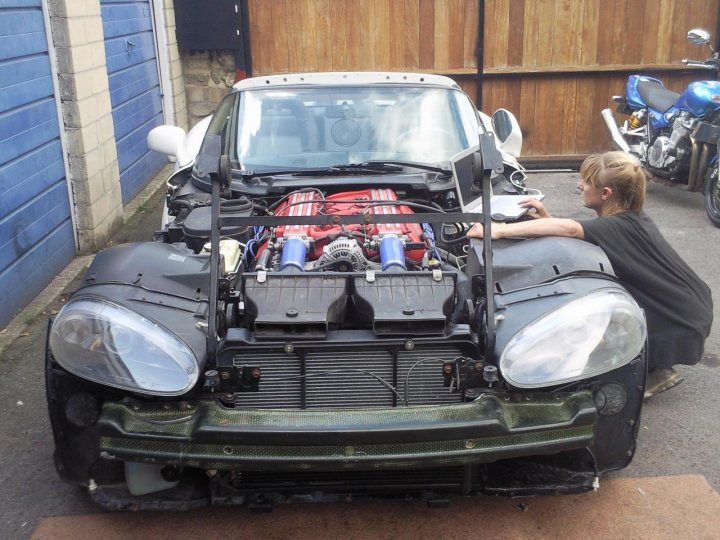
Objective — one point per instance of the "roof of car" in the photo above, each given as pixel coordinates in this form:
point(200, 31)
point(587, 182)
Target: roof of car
point(345, 78)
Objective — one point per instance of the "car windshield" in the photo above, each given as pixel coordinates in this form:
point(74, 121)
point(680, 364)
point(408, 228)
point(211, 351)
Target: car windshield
point(301, 128)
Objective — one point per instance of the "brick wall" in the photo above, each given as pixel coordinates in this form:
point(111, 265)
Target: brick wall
point(208, 75)
point(177, 82)
point(77, 35)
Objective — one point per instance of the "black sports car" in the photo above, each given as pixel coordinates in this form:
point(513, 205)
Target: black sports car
point(312, 322)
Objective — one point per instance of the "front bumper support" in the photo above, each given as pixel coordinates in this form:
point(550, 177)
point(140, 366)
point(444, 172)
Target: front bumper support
point(207, 435)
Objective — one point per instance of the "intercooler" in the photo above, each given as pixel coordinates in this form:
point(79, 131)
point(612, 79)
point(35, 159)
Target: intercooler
point(345, 377)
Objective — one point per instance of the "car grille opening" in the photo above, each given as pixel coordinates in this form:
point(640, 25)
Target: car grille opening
point(349, 378)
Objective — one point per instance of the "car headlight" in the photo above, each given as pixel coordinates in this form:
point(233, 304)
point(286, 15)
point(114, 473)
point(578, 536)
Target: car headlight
point(583, 338)
point(112, 345)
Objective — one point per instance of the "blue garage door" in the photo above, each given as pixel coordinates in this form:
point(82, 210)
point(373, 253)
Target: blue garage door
point(134, 89)
point(36, 231)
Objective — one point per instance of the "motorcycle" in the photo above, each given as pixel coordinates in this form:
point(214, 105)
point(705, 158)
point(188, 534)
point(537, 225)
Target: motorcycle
point(675, 136)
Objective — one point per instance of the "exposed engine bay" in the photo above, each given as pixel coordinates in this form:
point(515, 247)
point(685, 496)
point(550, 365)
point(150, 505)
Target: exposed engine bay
point(340, 248)
point(359, 257)
point(346, 248)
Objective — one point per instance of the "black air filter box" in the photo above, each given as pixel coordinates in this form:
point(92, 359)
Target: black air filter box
point(407, 303)
point(196, 227)
point(298, 306)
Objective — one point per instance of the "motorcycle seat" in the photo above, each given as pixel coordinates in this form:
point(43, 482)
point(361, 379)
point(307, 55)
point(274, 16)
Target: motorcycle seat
point(656, 95)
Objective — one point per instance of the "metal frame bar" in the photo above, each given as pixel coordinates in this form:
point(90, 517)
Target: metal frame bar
point(479, 51)
point(347, 219)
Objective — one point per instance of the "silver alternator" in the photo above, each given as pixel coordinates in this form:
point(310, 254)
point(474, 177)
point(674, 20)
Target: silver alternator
point(343, 255)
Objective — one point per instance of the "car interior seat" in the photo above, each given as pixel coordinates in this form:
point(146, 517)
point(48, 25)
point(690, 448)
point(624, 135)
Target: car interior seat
point(286, 129)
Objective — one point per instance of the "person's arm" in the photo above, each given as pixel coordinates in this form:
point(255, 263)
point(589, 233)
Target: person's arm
point(538, 227)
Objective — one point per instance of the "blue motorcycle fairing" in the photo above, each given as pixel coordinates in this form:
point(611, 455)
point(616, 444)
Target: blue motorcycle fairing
point(635, 101)
point(699, 98)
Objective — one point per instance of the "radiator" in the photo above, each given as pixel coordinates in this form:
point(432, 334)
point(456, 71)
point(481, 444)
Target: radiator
point(359, 377)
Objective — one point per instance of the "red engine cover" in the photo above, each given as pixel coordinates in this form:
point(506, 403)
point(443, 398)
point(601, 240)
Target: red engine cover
point(349, 202)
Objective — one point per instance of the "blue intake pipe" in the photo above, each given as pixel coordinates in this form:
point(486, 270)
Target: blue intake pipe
point(293, 255)
point(392, 253)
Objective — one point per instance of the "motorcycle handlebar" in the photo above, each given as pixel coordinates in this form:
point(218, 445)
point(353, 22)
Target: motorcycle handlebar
point(700, 64)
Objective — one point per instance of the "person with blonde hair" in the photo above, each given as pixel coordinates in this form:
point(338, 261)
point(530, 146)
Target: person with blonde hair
point(677, 303)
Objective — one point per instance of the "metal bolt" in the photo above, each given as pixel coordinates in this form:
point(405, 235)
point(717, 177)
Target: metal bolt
point(227, 450)
point(225, 375)
point(448, 369)
point(211, 472)
point(289, 348)
point(469, 444)
point(409, 345)
point(256, 373)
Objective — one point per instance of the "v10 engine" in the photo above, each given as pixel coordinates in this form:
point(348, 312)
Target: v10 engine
point(343, 248)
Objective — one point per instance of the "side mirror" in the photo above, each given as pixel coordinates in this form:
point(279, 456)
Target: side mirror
point(698, 36)
point(171, 141)
point(507, 130)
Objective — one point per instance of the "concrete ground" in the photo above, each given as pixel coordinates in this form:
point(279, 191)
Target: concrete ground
point(680, 432)
point(651, 508)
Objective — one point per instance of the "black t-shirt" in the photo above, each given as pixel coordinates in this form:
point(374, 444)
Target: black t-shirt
point(677, 303)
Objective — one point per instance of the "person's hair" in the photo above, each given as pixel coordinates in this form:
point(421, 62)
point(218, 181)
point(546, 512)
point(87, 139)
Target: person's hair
point(621, 173)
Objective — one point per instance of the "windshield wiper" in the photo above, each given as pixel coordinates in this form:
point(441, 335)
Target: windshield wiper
point(367, 167)
point(353, 168)
point(332, 170)
point(413, 164)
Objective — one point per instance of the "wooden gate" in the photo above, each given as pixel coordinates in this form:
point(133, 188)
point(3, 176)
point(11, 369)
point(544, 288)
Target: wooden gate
point(554, 63)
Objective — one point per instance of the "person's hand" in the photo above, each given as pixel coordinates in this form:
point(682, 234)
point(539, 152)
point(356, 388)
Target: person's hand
point(477, 231)
point(539, 208)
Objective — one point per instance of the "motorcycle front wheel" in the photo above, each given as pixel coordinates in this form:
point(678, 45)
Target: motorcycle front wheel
point(712, 195)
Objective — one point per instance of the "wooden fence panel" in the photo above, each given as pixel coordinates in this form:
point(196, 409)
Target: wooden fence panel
point(554, 63)
point(576, 55)
point(324, 35)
